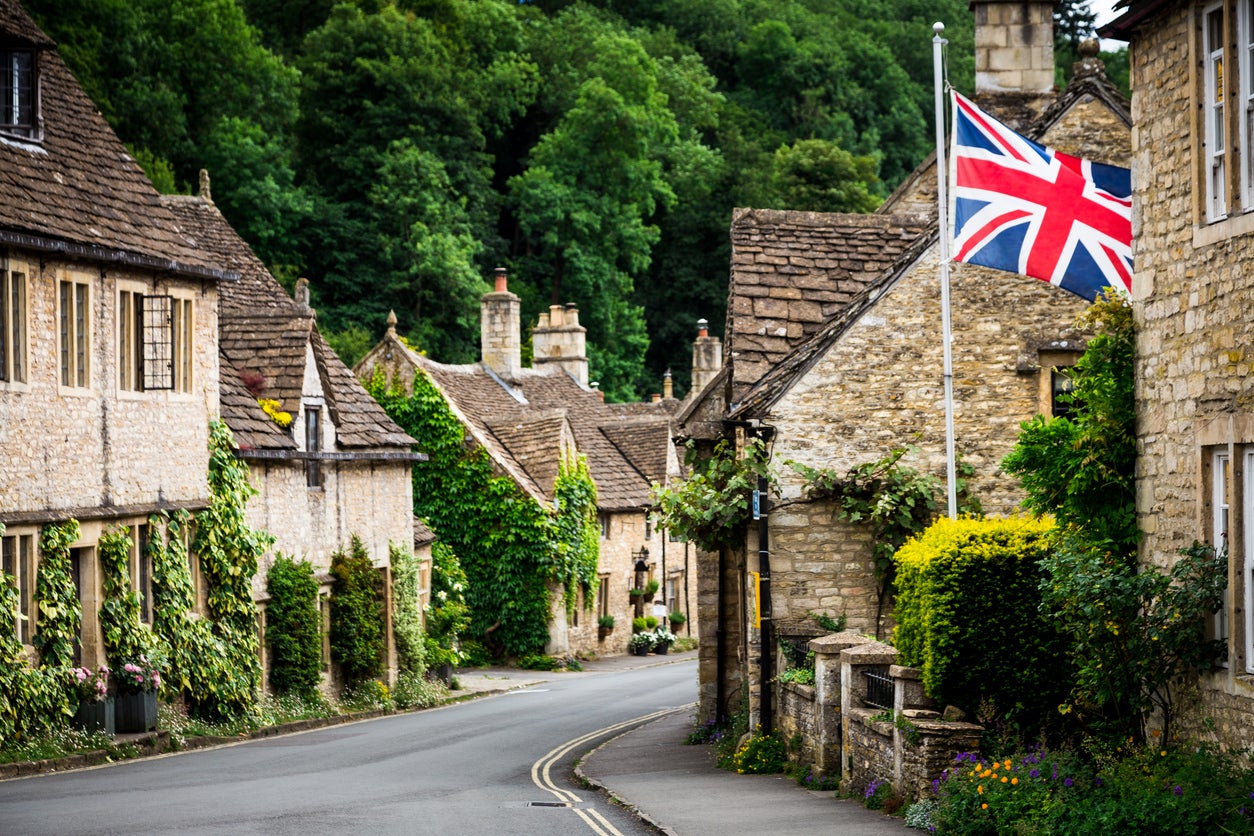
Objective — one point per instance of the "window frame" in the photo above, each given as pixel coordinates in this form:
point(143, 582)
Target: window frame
point(313, 445)
point(14, 328)
point(19, 559)
point(1220, 525)
point(150, 354)
point(10, 86)
point(74, 333)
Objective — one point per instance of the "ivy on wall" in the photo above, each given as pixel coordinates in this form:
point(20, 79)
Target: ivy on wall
point(406, 617)
point(31, 700)
point(60, 616)
point(356, 614)
point(447, 614)
point(125, 636)
point(511, 547)
point(578, 532)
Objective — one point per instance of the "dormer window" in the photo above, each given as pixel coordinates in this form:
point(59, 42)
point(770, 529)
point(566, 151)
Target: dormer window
point(17, 93)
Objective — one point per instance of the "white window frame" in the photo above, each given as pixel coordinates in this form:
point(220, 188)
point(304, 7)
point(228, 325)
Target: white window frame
point(13, 327)
point(74, 323)
point(1247, 559)
point(130, 327)
point(1245, 46)
point(1213, 128)
point(1221, 521)
point(183, 349)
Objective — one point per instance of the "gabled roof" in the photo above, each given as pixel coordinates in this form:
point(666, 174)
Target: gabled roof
point(792, 271)
point(646, 443)
point(262, 331)
point(252, 427)
point(75, 189)
point(538, 443)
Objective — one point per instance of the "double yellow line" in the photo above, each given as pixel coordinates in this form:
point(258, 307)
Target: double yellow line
point(541, 771)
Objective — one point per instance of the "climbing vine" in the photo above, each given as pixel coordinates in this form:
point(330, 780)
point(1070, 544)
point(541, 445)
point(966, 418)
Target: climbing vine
point(579, 534)
point(125, 636)
point(31, 700)
point(406, 617)
point(712, 505)
point(447, 614)
point(60, 613)
point(511, 547)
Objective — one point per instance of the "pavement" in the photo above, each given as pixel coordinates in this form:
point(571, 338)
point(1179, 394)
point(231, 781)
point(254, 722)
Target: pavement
point(678, 789)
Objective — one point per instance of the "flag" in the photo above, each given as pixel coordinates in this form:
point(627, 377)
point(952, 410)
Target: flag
point(1025, 208)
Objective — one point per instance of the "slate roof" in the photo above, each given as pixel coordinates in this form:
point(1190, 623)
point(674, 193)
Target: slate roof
point(792, 271)
point(422, 534)
point(263, 331)
point(76, 189)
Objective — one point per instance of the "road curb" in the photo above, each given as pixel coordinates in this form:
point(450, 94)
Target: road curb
point(617, 798)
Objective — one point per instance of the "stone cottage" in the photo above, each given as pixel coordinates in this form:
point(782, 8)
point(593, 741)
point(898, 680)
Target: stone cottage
point(108, 334)
point(529, 419)
point(326, 460)
point(1193, 245)
point(834, 359)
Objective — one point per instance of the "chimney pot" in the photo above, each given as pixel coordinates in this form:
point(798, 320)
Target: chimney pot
point(703, 328)
point(657, 397)
point(501, 281)
point(668, 386)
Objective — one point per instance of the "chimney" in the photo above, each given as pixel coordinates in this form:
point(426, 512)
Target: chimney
point(707, 357)
point(499, 321)
point(656, 397)
point(668, 386)
point(559, 339)
point(1014, 47)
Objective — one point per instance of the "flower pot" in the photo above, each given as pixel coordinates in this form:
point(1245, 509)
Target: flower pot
point(95, 716)
point(660, 649)
point(643, 650)
point(602, 632)
point(136, 712)
point(648, 597)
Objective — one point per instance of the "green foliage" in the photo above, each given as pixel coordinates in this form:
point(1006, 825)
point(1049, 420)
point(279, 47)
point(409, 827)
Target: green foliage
point(539, 662)
point(512, 549)
point(816, 175)
point(966, 588)
point(578, 532)
point(800, 676)
point(676, 619)
point(125, 636)
point(1081, 468)
point(831, 625)
point(638, 624)
point(32, 701)
point(357, 639)
point(293, 627)
point(1138, 635)
point(606, 622)
point(712, 505)
point(60, 613)
point(229, 551)
point(1143, 790)
point(760, 754)
point(447, 614)
point(414, 690)
point(406, 618)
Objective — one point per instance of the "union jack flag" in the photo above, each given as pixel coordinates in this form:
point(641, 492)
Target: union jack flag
point(1025, 208)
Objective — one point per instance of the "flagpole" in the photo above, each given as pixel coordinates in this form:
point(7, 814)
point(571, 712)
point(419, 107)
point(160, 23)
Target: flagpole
point(942, 199)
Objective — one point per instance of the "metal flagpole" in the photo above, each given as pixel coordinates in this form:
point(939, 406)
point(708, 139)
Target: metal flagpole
point(942, 199)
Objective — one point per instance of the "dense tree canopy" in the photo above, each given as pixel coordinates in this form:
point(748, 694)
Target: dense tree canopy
point(395, 151)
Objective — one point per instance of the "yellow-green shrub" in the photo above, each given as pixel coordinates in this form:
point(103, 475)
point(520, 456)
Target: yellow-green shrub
point(968, 614)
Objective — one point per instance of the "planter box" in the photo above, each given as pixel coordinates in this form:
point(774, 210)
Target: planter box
point(136, 712)
point(95, 716)
point(661, 649)
point(640, 651)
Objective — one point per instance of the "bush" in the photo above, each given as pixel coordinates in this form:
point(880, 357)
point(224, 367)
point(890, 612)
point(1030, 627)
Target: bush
point(356, 614)
point(538, 662)
point(416, 691)
point(965, 589)
point(406, 618)
point(448, 614)
point(293, 628)
point(760, 754)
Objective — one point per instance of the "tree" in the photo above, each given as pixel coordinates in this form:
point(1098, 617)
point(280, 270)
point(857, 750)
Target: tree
point(815, 175)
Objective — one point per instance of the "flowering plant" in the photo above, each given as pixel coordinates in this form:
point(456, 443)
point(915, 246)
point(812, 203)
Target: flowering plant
point(91, 686)
point(137, 676)
point(663, 636)
point(639, 640)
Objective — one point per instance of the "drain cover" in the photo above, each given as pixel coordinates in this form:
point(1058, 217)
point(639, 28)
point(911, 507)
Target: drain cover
point(550, 804)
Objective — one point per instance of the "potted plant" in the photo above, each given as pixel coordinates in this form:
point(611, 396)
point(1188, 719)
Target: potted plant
point(640, 644)
point(662, 639)
point(677, 620)
point(635, 594)
point(650, 622)
point(637, 624)
point(605, 626)
point(650, 589)
point(95, 706)
point(137, 682)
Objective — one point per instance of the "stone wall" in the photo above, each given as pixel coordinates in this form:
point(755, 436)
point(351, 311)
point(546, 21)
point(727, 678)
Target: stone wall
point(77, 448)
point(1195, 393)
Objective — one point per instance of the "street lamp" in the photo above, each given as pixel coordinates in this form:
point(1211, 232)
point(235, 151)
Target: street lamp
point(642, 565)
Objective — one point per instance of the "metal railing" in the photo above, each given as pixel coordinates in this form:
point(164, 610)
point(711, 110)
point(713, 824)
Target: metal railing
point(879, 687)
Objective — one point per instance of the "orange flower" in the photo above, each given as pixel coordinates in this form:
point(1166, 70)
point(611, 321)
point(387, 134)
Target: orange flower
point(1007, 763)
point(984, 806)
point(980, 789)
point(1014, 781)
point(1004, 779)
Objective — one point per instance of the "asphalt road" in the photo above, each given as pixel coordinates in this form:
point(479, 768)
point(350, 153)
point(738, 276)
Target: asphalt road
point(481, 767)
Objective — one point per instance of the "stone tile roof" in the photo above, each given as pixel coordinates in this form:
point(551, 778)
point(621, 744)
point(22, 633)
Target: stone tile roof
point(252, 427)
point(792, 271)
point(76, 189)
point(645, 443)
point(520, 424)
point(422, 534)
point(262, 331)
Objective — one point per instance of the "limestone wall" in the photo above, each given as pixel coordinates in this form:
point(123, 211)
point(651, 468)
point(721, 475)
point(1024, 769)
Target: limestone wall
point(69, 448)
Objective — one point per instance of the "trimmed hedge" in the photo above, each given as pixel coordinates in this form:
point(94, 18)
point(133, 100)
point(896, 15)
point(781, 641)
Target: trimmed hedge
point(357, 638)
point(293, 627)
point(969, 615)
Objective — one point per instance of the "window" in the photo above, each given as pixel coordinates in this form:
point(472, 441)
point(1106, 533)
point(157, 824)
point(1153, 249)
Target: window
point(604, 519)
point(1245, 29)
point(1220, 513)
point(17, 92)
point(603, 596)
point(1060, 384)
point(313, 444)
point(1247, 570)
point(182, 326)
point(1213, 132)
point(17, 557)
point(74, 321)
point(149, 356)
point(13, 326)
point(1055, 382)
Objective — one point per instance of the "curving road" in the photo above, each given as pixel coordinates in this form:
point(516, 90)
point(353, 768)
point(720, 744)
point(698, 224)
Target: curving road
point(490, 766)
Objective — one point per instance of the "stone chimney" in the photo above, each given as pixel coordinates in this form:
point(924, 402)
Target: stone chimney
point(559, 339)
point(668, 386)
point(707, 357)
point(499, 328)
point(1014, 47)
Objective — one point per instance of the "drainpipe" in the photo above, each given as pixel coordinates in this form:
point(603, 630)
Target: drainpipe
point(765, 664)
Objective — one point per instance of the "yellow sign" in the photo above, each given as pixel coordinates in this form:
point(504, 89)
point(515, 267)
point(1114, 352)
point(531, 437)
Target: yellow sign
point(757, 600)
